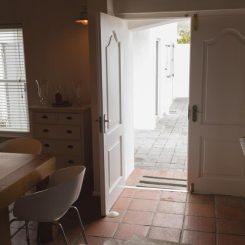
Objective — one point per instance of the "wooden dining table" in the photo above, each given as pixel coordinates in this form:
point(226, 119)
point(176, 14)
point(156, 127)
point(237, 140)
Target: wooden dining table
point(18, 174)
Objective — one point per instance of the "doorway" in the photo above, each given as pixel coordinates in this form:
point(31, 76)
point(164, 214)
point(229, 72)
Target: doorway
point(161, 97)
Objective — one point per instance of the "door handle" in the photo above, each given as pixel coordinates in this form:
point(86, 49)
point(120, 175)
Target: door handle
point(194, 113)
point(105, 121)
point(102, 123)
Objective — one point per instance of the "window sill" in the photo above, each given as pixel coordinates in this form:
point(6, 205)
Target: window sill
point(4, 134)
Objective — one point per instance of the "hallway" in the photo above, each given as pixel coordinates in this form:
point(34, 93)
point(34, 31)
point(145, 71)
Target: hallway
point(166, 146)
point(162, 153)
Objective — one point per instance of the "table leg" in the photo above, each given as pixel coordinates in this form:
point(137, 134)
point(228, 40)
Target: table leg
point(4, 227)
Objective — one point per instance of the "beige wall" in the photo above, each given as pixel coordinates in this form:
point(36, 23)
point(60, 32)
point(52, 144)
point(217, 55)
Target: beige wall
point(56, 48)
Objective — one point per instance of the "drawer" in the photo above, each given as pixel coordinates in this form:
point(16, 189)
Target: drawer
point(45, 131)
point(61, 147)
point(68, 132)
point(42, 117)
point(66, 161)
point(70, 118)
point(57, 132)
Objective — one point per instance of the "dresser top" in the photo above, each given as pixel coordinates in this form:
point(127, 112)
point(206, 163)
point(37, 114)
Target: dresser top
point(68, 109)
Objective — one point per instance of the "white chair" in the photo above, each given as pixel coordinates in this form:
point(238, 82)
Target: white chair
point(51, 204)
point(21, 145)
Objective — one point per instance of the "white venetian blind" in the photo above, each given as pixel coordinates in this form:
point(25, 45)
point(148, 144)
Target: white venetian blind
point(13, 95)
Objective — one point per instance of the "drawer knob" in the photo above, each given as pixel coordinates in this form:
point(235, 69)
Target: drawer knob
point(45, 130)
point(70, 146)
point(69, 131)
point(69, 118)
point(47, 145)
point(71, 161)
point(44, 117)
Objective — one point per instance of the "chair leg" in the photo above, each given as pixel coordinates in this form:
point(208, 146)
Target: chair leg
point(62, 231)
point(81, 224)
point(27, 232)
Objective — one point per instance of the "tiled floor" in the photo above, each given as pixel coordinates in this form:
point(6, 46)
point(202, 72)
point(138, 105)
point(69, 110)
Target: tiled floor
point(171, 216)
point(162, 152)
point(175, 216)
point(165, 147)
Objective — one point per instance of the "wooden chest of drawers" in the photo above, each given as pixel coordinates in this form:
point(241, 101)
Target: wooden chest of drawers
point(64, 133)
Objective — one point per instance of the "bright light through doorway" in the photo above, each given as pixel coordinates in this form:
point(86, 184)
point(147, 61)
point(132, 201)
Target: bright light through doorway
point(161, 91)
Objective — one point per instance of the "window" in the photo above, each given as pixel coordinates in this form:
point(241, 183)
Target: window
point(13, 94)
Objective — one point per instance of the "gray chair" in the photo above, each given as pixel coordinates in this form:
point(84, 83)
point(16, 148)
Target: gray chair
point(51, 204)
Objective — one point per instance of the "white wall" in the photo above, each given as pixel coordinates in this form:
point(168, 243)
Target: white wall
point(182, 68)
point(144, 79)
point(128, 113)
point(144, 54)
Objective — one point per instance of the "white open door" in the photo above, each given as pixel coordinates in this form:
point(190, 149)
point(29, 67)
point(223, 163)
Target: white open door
point(113, 57)
point(217, 100)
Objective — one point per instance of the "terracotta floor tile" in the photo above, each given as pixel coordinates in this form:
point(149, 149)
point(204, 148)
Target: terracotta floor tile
point(225, 212)
point(148, 194)
point(198, 238)
point(223, 239)
point(199, 224)
point(126, 231)
point(202, 199)
point(122, 203)
point(171, 207)
point(168, 220)
point(102, 229)
point(96, 240)
point(143, 205)
point(128, 192)
point(166, 234)
point(197, 209)
point(138, 217)
point(231, 226)
point(229, 201)
point(117, 219)
point(173, 196)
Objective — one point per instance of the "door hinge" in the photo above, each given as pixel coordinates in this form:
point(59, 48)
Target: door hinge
point(99, 120)
point(191, 188)
point(195, 22)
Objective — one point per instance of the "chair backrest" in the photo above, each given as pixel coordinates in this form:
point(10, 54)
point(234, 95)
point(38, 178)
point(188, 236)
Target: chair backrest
point(53, 202)
point(21, 145)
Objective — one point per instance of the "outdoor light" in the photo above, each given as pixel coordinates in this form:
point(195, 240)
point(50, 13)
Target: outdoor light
point(83, 17)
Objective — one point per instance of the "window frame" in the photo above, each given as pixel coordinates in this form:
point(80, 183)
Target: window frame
point(10, 134)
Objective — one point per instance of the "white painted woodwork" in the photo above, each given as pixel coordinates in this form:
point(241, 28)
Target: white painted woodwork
point(216, 161)
point(62, 132)
point(113, 42)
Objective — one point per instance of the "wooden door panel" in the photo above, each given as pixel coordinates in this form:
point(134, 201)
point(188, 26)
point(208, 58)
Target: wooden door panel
point(114, 36)
point(113, 83)
point(223, 78)
point(115, 163)
point(217, 160)
point(216, 163)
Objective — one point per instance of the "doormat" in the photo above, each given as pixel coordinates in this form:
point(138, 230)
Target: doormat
point(162, 183)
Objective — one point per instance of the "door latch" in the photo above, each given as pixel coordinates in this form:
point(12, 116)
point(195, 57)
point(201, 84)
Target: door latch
point(99, 120)
point(194, 113)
